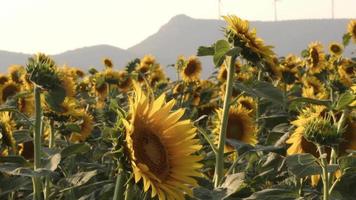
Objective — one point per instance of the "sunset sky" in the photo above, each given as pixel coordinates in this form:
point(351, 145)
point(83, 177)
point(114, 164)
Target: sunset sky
point(54, 26)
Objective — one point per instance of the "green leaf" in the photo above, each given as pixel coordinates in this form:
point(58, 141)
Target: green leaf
point(206, 51)
point(55, 97)
point(14, 159)
point(10, 184)
point(52, 162)
point(73, 128)
point(75, 149)
point(347, 163)
point(346, 39)
point(234, 183)
point(221, 48)
point(298, 100)
point(81, 177)
point(344, 100)
point(305, 53)
point(302, 165)
point(274, 194)
point(268, 91)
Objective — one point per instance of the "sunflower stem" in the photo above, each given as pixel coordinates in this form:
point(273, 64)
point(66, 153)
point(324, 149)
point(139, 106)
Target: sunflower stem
point(129, 192)
point(325, 177)
point(50, 145)
point(119, 186)
point(219, 167)
point(37, 144)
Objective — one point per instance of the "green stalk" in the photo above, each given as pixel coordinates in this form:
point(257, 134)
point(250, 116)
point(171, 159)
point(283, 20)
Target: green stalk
point(325, 177)
point(119, 186)
point(37, 144)
point(50, 145)
point(219, 167)
point(129, 191)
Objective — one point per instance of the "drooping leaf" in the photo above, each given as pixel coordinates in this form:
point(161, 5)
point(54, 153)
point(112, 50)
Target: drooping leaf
point(73, 149)
point(344, 100)
point(221, 48)
point(206, 51)
point(302, 165)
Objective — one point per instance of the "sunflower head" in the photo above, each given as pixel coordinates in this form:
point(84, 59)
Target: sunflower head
point(146, 63)
point(157, 75)
point(336, 49)
point(351, 29)
point(3, 79)
point(316, 58)
point(26, 150)
point(15, 72)
point(43, 71)
point(322, 131)
point(161, 147)
point(299, 144)
point(7, 126)
point(112, 76)
point(240, 126)
point(108, 63)
point(86, 127)
point(67, 83)
point(125, 81)
point(313, 88)
point(248, 103)
point(253, 47)
point(8, 90)
point(191, 71)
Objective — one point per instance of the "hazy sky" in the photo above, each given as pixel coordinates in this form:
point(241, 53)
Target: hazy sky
point(54, 26)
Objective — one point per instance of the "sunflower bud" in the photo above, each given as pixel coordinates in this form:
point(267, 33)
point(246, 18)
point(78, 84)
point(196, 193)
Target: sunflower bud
point(322, 131)
point(42, 71)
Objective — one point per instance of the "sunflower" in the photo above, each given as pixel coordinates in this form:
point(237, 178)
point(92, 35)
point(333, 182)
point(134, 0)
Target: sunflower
point(145, 64)
point(86, 127)
point(161, 147)
point(240, 126)
point(7, 90)
point(3, 79)
point(112, 76)
point(253, 47)
point(289, 68)
point(157, 75)
point(69, 107)
point(344, 77)
point(313, 88)
point(336, 49)
point(349, 136)
point(351, 28)
point(108, 63)
point(15, 72)
point(248, 103)
point(298, 143)
point(125, 81)
point(67, 83)
point(191, 71)
point(316, 58)
point(7, 126)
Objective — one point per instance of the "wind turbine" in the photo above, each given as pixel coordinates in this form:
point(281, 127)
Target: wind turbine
point(332, 9)
point(219, 9)
point(275, 9)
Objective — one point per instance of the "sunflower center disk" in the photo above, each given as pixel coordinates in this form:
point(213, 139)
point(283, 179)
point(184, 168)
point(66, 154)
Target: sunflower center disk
point(315, 57)
point(190, 69)
point(234, 128)
point(150, 151)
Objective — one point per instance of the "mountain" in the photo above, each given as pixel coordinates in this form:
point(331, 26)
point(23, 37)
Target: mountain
point(182, 35)
point(92, 56)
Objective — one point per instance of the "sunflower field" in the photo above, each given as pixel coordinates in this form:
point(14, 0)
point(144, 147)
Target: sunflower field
point(261, 127)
